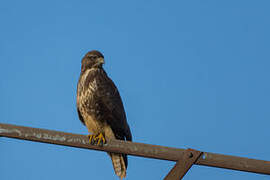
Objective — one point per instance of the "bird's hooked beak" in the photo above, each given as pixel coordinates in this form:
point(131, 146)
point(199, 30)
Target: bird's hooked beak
point(101, 60)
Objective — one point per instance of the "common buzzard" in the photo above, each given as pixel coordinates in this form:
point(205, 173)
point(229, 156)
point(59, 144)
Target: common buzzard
point(100, 108)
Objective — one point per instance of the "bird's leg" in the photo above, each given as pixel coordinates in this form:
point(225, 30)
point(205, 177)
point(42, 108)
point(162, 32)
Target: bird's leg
point(101, 139)
point(97, 139)
point(91, 138)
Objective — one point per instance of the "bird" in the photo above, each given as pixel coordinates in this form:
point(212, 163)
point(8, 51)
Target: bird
point(100, 108)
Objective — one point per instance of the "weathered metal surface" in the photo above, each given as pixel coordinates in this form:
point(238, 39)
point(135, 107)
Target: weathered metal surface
point(131, 148)
point(183, 164)
point(234, 163)
point(81, 141)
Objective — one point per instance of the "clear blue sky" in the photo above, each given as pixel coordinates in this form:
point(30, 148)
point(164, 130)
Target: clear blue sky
point(191, 74)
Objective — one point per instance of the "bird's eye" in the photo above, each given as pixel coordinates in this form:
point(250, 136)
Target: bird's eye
point(93, 57)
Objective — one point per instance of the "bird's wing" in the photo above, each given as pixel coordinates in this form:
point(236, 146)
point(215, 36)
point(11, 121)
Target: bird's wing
point(110, 100)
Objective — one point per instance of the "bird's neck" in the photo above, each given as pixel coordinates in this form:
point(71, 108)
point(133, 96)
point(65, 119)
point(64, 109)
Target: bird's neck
point(92, 69)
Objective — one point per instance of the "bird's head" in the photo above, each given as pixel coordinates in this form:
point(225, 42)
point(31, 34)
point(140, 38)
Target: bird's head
point(93, 59)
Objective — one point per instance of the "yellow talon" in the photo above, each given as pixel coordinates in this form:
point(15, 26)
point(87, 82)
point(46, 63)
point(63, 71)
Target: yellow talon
point(91, 138)
point(99, 139)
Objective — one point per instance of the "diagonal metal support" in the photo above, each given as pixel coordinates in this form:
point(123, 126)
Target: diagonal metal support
point(183, 164)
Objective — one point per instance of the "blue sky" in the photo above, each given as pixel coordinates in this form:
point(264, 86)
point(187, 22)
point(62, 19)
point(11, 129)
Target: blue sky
point(190, 73)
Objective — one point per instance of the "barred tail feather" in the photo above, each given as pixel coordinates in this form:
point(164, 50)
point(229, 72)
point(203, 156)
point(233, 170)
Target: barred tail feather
point(118, 165)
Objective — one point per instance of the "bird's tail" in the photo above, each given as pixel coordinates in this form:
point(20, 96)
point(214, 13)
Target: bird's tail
point(118, 165)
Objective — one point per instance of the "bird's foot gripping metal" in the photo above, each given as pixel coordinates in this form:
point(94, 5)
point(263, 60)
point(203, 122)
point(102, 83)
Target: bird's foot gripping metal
point(98, 139)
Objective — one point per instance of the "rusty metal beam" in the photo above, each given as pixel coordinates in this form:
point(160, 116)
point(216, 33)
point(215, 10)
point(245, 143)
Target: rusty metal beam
point(136, 149)
point(183, 164)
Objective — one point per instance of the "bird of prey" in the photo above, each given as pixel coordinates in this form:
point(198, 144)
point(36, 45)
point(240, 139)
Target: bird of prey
point(100, 108)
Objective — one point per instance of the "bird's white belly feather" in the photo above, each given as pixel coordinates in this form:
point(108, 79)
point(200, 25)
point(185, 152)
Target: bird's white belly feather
point(92, 125)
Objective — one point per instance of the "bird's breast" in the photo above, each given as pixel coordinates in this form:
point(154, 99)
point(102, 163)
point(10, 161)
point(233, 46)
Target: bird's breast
point(87, 101)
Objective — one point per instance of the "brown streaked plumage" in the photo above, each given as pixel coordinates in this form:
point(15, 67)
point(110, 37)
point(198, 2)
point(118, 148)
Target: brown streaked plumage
point(100, 107)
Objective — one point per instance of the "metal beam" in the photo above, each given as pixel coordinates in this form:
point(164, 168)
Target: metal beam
point(131, 148)
point(183, 164)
